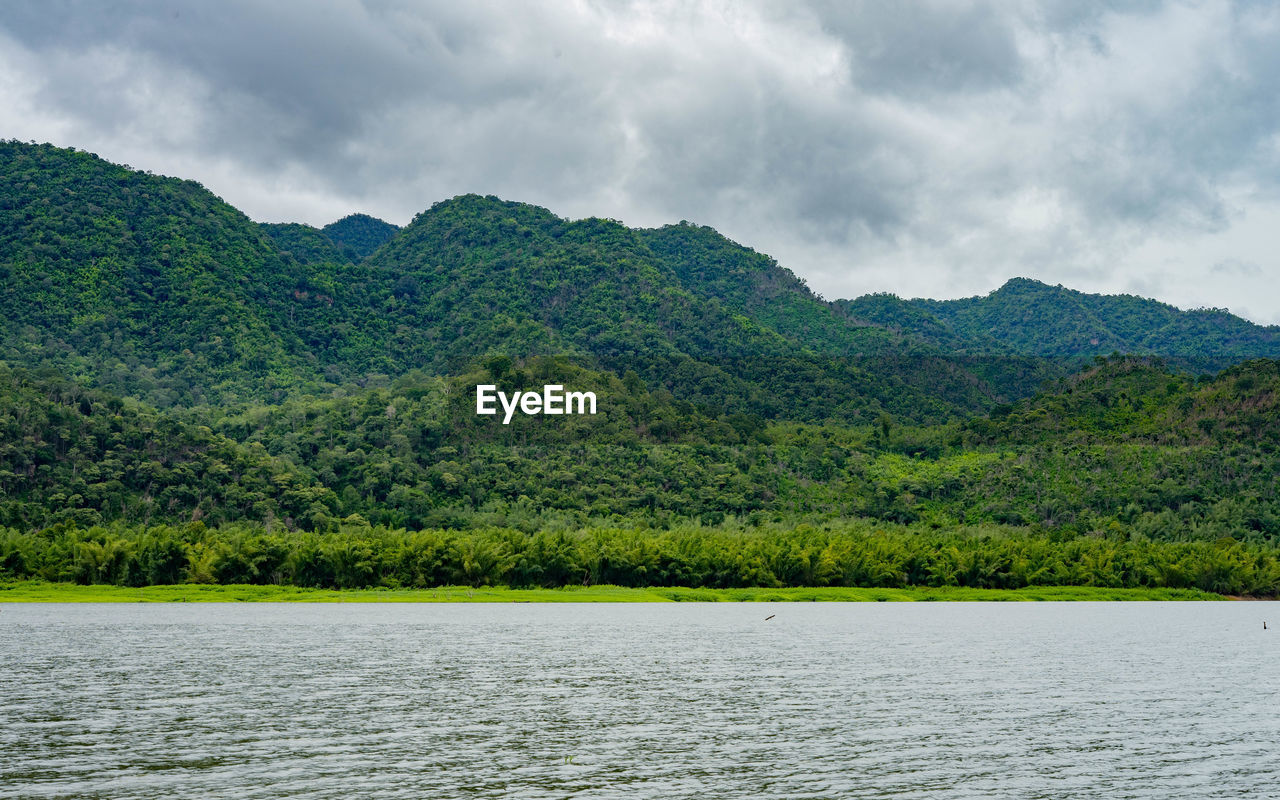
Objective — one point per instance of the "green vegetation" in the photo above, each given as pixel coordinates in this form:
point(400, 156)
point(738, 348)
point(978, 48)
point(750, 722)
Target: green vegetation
point(1126, 449)
point(360, 234)
point(1030, 318)
point(189, 396)
point(41, 592)
point(151, 287)
point(848, 554)
point(308, 245)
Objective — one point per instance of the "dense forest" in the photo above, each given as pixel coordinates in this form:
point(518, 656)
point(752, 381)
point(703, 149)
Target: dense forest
point(153, 288)
point(1033, 319)
point(188, 395)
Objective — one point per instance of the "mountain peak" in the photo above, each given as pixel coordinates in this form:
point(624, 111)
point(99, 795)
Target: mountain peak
point(360, 233)
point(1027, 285)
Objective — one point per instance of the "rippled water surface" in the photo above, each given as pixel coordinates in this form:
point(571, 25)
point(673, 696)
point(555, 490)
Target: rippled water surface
point(1022, 700)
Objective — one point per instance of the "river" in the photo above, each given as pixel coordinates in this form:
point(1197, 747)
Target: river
point(662, 701)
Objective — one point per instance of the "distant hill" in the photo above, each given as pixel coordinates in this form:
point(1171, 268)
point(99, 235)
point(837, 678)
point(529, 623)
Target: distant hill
point(682, 307)
point(911, 318)
point(1034, 319)
point(307, 244)
point(350, 239)
point(360, 233)
point(151, 287)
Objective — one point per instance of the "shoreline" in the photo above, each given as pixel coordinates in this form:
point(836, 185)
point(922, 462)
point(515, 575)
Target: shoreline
point(41, 592)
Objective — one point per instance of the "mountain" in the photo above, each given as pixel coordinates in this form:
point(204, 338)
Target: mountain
point(911, 318)
point(133, 281)
point(308, 245)
point(186, 394)
point(732, 331)
point(360, 234)
point(754, 285)
point(149, 286)
point(1034, 319)
point(152, 287)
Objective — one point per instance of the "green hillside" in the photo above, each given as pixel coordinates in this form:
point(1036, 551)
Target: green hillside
point(911, 318)
point(475, 275)
point(74, 456)
point(756, 286)
point(360, 234)
point(153, 288)
point(1034, 319)
point(308, 245)
point(1126, 446)
point(148, 286)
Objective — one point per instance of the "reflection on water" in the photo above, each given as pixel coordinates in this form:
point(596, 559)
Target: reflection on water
point(664, 701)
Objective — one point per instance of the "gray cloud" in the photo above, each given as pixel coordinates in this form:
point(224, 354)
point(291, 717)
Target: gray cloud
point(926, 50)
point(1234, 266)
point(927, 148)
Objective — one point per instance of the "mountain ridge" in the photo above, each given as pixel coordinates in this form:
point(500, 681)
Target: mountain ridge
point(153, 287)
point(1033, 318)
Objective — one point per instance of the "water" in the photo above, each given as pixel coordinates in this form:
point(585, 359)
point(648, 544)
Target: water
point(1029, 700)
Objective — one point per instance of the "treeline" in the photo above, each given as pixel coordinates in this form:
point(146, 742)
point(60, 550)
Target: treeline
point(848, 554)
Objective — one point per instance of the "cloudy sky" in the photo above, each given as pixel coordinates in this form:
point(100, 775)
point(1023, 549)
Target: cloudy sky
point(930, 149)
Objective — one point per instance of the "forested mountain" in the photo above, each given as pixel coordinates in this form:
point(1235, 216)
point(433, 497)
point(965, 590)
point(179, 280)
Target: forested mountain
point(360, 233)
point(308, 245)
point(148, 286)
point(1034, 319)
point(350, 239)
point(476, 275)
point(910, 318)
point(151, 287)
point(164, 360)
point(756, 286)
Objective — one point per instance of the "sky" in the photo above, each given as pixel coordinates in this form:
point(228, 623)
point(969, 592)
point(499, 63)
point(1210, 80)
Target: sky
point(931, 149)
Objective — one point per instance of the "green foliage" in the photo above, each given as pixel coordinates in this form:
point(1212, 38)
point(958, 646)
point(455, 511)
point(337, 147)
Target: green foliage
point(73, 456)
point(356, 556)
point(37, 591)
point(166, 364)
point(359, 234)
point(1122, 449)
point(308, 245)
point(153, 288)
point(1028, 317)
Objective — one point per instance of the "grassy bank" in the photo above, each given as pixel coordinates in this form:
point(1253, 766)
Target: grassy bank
point(39, 592)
